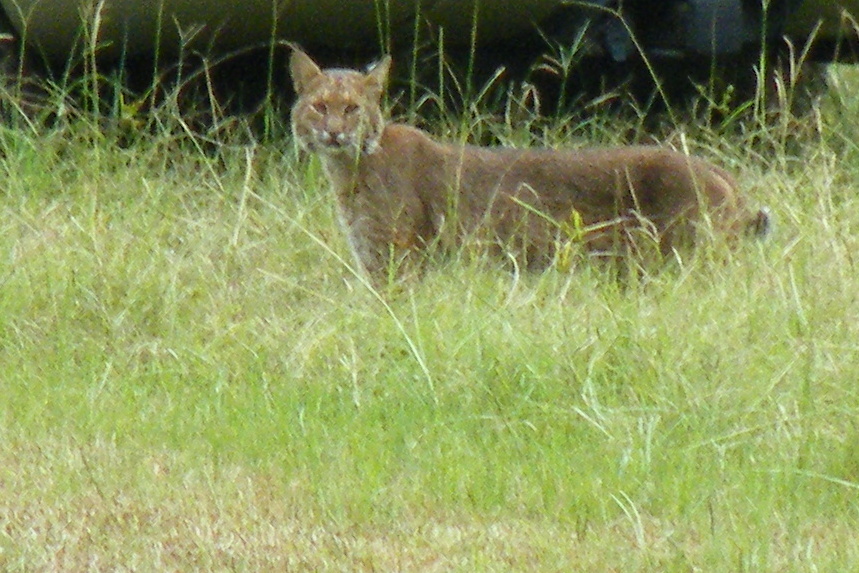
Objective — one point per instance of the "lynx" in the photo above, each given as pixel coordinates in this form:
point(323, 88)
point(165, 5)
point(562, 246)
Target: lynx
point(399, 192)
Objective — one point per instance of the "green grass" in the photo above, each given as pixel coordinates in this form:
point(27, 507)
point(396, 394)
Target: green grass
point(192, 380)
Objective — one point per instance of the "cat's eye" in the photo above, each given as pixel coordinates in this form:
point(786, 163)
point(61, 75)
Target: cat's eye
point(350, 109)
point(320, 108)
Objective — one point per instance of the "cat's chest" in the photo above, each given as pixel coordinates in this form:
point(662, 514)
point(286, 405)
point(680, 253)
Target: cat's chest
point(359, 186)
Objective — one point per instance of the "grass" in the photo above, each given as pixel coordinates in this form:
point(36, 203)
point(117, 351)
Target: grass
point(192, 380)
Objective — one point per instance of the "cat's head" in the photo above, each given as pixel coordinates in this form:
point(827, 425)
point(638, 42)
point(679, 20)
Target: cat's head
point(337, 111)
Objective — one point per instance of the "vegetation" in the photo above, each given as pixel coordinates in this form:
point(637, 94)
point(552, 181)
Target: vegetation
point(194, 379)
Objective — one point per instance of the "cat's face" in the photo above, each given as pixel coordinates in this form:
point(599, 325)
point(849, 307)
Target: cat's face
point(337, 112)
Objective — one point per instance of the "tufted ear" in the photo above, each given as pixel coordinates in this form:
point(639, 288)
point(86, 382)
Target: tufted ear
point(377, 75)
point(302, 69)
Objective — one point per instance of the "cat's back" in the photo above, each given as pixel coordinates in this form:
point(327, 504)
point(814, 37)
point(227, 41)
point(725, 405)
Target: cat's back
point(403, 137)
point(402, 146)
point(659, 175)
point(651, 166)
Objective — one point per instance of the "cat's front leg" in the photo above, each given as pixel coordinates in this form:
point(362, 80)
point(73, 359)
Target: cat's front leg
point(375, 250)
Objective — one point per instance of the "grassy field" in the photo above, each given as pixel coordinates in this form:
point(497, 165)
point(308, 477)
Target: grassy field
point(192, 379)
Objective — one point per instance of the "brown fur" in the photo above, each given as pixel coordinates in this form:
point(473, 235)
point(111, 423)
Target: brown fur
point(399, 191)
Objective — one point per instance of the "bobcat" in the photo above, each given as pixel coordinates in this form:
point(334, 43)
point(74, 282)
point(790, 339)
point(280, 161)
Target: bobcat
point(399, 191)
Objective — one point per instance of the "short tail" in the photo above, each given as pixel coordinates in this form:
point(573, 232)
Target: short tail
point(761, 224)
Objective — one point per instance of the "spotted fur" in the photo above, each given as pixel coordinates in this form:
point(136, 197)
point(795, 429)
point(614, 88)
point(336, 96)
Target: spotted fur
point(400, 192)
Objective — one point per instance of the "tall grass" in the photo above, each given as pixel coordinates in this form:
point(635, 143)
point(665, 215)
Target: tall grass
point(193, 379)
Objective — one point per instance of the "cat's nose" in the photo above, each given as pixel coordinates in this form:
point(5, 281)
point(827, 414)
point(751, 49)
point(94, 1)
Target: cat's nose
point(335, 138)
point(330, 138)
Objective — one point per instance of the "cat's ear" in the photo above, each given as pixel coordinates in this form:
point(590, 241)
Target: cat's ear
point(377, 76)
point(302, 69)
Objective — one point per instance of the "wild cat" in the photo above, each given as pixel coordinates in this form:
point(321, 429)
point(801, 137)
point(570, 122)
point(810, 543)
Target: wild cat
point(399, 191)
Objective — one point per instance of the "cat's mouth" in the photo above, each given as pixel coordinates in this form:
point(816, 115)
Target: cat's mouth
point(334, 140)
point(343, 143)
point(339, 142)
